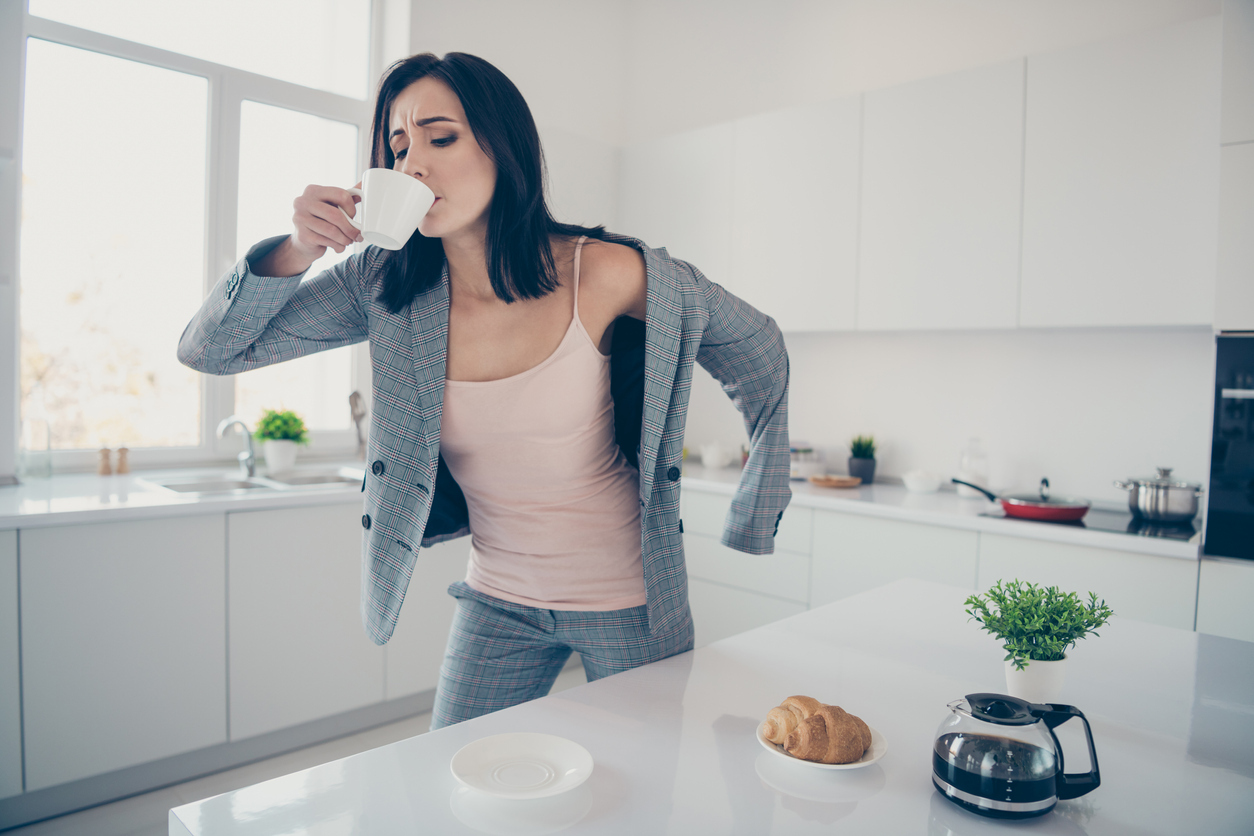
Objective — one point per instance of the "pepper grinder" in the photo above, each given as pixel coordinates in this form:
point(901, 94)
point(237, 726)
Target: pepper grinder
point(106, 464)
point(124, 466)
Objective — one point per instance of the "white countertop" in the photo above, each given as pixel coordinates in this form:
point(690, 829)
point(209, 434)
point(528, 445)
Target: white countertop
point(72, 499)
point(85, 498)
point(946, 508)
point(674, 747)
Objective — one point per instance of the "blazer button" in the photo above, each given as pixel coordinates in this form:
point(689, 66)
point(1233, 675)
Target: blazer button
point(377, 468)
point(365, 521)
point(673, 474)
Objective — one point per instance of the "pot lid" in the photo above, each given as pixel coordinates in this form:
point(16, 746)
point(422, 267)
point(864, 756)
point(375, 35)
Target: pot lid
point(1164, 480)
point(1002, 709)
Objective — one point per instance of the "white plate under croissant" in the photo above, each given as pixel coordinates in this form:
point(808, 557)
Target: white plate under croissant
point(873, 753)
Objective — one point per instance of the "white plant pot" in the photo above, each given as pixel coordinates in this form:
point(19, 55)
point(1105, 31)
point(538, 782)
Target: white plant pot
point(1038, 682)
point(280, 455)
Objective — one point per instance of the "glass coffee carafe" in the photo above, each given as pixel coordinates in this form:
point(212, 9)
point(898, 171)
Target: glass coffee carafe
point(998, 756)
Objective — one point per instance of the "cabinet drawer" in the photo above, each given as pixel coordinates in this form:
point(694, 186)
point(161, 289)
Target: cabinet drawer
point(1161, 590)
point(783, 574)
point(705, 514)
point(123, 644)
point(719, 611)
point(853, 553)
point(1224, 595)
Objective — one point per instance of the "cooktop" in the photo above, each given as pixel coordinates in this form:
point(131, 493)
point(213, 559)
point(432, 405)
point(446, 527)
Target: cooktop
point(1125, 522)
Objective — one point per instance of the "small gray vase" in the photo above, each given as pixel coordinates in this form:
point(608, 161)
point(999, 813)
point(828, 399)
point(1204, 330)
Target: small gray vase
point(863, 469)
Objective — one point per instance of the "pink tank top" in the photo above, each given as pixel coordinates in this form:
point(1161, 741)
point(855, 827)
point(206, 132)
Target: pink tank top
point(554, 509)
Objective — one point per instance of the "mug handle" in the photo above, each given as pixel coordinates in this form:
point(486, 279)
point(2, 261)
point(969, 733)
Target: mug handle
point(1079, 783)
point(356, 223)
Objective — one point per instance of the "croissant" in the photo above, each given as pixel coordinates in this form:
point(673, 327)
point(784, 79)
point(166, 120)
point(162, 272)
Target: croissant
point(786, 716)
point(829, 735)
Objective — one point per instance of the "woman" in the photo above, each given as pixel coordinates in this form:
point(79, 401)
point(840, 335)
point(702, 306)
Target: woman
point(530, 381)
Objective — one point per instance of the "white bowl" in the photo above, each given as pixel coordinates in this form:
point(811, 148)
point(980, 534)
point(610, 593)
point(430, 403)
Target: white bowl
point(920, 481)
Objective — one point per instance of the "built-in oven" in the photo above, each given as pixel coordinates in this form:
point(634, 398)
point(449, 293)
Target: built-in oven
point(1230, 499)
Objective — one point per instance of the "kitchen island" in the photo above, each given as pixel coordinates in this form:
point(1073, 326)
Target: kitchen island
point(674, 744)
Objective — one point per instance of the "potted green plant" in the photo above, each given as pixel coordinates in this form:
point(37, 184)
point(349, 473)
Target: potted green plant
point(862, 458)
point(1036, 625)
point(280, 431)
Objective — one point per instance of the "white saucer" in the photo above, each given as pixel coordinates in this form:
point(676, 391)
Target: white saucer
point(873, 753)
point(522, 765)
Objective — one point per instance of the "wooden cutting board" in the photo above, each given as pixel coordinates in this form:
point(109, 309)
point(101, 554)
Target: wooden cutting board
point(836, 481)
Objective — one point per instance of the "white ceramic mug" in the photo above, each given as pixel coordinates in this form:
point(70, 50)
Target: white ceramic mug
point(392, 205)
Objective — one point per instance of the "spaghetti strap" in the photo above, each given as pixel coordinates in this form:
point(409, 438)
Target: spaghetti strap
point(578, 247)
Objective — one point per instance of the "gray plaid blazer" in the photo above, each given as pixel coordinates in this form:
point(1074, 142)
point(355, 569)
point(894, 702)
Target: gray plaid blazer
point(412, 500)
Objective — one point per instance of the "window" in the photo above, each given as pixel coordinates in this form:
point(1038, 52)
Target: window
point(155, 149)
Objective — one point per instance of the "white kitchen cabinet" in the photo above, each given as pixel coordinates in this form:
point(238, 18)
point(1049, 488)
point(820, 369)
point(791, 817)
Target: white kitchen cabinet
point(706, 514)
point(794, 241)
point(1234, 284)
point(1225, 598)
point(416, 649)
point(1121, 180)
point(676, 193)
point(1160, 590)
point(1238, 71)
point(10, 691)
point(782, 574)
point(941, 196)
point(298, 651)
point(123, 644)
point(720, 611)
point(854, 553)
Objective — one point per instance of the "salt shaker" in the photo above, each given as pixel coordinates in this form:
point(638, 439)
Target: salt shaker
point(106, 464)
point(124, 466)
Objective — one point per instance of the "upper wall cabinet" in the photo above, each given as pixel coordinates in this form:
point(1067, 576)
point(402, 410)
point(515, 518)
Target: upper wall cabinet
point(1121, 181)
point(941, 178)
point(1238, 71)
point(1234, 289)
point(676, 192)
point(794, 239)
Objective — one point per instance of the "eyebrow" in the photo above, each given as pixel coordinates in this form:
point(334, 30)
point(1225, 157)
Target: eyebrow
point(422, 123)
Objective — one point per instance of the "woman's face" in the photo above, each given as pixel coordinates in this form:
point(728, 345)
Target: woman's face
point(431, 140)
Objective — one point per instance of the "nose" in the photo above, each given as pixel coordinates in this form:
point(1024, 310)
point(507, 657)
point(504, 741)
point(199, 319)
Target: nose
point(414, 165)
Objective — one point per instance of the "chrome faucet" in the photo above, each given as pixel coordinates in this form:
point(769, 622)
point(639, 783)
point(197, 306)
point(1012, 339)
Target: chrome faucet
point(247, 459)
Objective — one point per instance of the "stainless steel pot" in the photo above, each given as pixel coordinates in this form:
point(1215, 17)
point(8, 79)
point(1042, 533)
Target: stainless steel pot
point(1162, 498)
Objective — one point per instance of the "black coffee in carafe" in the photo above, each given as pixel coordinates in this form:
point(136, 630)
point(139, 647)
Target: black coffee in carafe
point(997, 755)
point(1017, 777)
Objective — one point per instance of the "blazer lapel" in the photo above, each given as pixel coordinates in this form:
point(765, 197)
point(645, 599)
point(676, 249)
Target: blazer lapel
point(428, 320)
point(663, 330)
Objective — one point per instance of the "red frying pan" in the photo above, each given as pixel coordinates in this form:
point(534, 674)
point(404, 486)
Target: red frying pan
point(1040, 507)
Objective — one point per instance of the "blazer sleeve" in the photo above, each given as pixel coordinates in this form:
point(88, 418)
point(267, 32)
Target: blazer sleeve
point(744, 350)
point(248, 321)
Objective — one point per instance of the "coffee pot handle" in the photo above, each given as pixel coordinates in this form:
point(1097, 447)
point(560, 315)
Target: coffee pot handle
point(1080, 783)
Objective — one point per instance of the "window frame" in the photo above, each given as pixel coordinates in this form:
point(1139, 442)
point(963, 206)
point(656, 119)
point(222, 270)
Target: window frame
point(228, 89)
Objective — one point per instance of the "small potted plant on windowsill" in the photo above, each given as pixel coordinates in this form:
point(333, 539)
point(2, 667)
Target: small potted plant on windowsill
point(862, 458)
point(1036, 625)
point(280, 431)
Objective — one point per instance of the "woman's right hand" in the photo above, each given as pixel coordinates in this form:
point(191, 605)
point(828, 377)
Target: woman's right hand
point(318, 221)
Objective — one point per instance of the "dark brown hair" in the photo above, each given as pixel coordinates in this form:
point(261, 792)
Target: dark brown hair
point(519, 258)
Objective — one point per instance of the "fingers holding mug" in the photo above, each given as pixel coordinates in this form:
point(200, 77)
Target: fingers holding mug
point(320, 220)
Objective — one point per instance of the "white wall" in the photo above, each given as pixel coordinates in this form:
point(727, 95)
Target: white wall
point(699, 62)
point(568, 58)
point(1081, 406)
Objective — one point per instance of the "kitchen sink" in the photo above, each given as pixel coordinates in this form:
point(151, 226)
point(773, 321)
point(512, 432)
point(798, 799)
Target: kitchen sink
point(214, 485)
point(342, 476)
